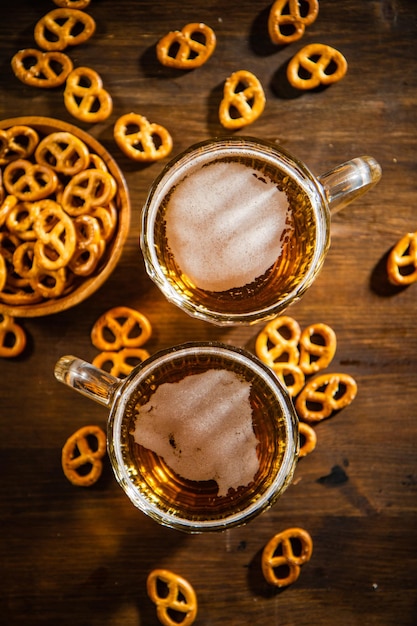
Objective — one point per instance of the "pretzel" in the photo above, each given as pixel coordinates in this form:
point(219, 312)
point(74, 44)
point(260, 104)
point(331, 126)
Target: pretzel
point(89, 248)
point(106, 217)
point(21, 218)
point(73, 4)
point(279, 553)
point(12, 337)
point(247, 103)
point(323, 64)
point(308, 434)
point(288, 372)
point(272, 344)
point(120, 327)
point(56, 236)
point(84, 96)
point(77, 453)
point(325, 394)
point(286, 27)
point(135, 136)
point(29, 181)
point(41, 69)
point(402, 261)
point(48, 283)
point(63, 27)
point(63, 152)
point(17, 142)
point(7, 205)
point(87, 189)
point(180, 598)
point(121, 363)
point(181, 50)
point(316, 356)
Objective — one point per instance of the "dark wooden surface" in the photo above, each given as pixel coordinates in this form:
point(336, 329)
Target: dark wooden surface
point(82, 556)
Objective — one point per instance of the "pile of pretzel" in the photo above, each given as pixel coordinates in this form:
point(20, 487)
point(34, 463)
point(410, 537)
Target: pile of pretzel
point(58, 214)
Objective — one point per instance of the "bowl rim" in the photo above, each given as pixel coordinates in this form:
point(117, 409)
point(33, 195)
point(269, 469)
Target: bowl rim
point(92, 283)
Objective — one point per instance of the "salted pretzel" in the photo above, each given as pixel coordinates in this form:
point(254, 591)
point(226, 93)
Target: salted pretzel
point(17, 142)
point(325, 394)
point(181, 49)
point(29, 181)
point(308, 439)
point(314, 65)
point(315, 356)
point(63, 27)
point(243, 100)
point(287, 550)
point(78, 453)
point(120, 327)
point(106, 217)
point(286, 22)
point(21, 219)
point(89, 247)
point(87, 189)
point(48, 283)
point(120, 363)
point(63, 152)
point(56, 236)
point(402, 261)
point(85, 97)
point(278, 341)
point(12, 337)
point(41, 69)
point(180, 597)
point(72, 4)
point(140, 140)
point(291, 375)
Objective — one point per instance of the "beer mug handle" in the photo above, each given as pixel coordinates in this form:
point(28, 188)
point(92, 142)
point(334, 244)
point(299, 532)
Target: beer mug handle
point(348, 181)
point(87, 379)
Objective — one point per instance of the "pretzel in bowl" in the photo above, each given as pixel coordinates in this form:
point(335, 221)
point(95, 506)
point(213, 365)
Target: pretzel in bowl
point(41, 69)
point(325, 394)
point(81, 461)
point(120, 327)
point(317, 347)
point(402, 261)
point(314, 65)
point(29, 181)
point(278, 341)
point(56, 236)
point(178, 597)
point(12, 336)
point(140, 140)
point(308, 439)
point(243, 100)
point(120, 363)
point(286, 21)
point(85, 97)
point(183, 49)
point(17, 142)
point(63, 27)
point(286, 552)
point(63, 152)
point(88, 189)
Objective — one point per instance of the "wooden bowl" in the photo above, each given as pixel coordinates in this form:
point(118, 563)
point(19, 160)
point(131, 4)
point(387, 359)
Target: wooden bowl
point(87, 286)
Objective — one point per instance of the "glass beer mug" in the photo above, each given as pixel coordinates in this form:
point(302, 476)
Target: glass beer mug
point(235, 230)
point(201, 436)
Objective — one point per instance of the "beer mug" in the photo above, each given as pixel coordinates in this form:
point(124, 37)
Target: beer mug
point(235, 230)
point(201, 436)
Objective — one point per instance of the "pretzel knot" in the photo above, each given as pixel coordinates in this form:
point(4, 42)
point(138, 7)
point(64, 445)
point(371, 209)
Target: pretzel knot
point(182, 50)
point(120, 327)
point(121, 363)
point(286, 22)
point(12, 336)
point(140, 140)
point(316, 355)
point(325, 394)
point(84, 96)
point(89, 247)
point(314, 65)
point(278, 341)
point(63, 27)
point(29, 181)
point(308, 439)
point(291, 375)
point(243, 100)
point(286, 552)
point(41, 69)
point(64, 152)
point(78, 453)
point(17, 142)
point(86, 190)
point(180, 597)
point(56, 236)
point(402, 261)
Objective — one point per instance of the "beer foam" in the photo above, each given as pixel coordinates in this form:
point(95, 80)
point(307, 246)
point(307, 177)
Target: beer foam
point(225, 224)
point(202, 427)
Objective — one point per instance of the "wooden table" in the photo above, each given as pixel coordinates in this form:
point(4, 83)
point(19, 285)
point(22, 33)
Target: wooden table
point(81, 556)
